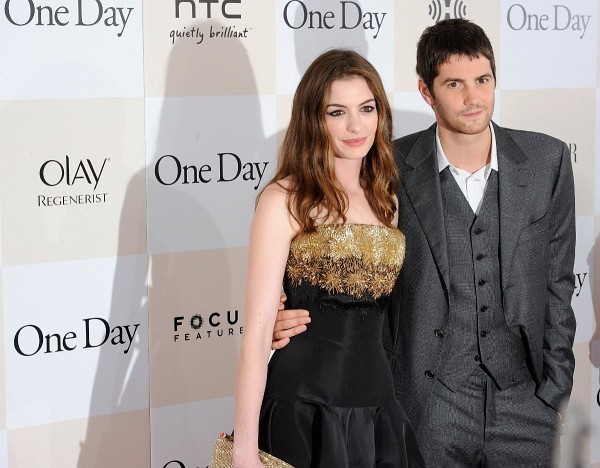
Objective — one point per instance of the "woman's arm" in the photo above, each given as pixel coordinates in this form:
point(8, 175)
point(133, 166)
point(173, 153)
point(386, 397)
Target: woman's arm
point(270, 237)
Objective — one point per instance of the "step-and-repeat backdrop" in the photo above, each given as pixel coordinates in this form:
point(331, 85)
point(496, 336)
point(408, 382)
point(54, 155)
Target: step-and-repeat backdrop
point(134, 139)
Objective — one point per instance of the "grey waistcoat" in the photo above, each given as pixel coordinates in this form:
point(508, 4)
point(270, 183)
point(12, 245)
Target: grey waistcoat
point(476, 333)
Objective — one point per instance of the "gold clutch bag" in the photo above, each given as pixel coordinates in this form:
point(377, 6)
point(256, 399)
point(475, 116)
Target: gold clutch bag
point(222, 456)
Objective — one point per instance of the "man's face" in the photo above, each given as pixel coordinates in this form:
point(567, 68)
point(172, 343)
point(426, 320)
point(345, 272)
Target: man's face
point(463, 94)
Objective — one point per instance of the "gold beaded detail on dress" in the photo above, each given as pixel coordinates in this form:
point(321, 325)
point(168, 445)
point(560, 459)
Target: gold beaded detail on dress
point(353, 259)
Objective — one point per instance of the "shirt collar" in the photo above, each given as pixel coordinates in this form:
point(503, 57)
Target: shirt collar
point(443, 162)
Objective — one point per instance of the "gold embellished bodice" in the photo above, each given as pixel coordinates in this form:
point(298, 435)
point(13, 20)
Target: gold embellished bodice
point(353, 259)
point(343, 275)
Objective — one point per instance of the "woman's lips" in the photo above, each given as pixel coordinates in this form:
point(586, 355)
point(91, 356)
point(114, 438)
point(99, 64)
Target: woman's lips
point(355, 141)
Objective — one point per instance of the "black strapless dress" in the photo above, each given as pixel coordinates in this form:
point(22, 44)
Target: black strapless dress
point(329, 399)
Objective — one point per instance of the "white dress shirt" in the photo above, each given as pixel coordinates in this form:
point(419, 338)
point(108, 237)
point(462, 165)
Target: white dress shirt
point(473, 184)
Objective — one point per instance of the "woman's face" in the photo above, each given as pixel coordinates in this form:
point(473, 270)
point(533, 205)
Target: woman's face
point(351, 118)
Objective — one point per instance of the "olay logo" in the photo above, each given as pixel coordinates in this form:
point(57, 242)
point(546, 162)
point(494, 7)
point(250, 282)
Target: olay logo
point(70, 172)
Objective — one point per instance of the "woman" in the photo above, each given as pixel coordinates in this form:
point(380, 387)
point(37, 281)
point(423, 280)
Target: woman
point(325, 227)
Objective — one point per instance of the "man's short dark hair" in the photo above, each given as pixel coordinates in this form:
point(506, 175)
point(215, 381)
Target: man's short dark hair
point(450, 37)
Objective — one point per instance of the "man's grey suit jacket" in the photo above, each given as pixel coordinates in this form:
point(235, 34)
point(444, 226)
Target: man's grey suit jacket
point(537, 247)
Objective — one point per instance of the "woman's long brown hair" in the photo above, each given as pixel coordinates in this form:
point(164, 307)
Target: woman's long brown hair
point(306, 156)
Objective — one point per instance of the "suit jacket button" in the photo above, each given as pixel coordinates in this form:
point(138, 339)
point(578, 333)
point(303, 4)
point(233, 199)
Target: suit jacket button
point(483, 333)
point(477, 231)
point(439, 333)
point(481, 282)
point(429, 374)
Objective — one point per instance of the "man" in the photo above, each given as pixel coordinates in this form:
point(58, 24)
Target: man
point(480, 328)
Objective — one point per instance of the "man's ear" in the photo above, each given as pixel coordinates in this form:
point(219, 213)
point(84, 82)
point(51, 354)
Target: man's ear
point(424, 90)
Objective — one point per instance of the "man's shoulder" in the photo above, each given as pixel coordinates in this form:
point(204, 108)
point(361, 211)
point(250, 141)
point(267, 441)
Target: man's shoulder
point(407, 139)
point(528, 138)
point(405, 143)
point(540, 149)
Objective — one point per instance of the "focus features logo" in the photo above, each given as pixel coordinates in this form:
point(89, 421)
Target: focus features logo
point(214, 325)
point(555, 18)
point(87, 13)
point(82, 173)
point(30, 339)
point(447, 9)
point(349, 15)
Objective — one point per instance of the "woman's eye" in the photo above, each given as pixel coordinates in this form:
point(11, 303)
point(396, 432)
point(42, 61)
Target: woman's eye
point(368, 108)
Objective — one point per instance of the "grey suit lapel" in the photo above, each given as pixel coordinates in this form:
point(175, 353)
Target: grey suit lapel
point(514, 184)
point(422, 185)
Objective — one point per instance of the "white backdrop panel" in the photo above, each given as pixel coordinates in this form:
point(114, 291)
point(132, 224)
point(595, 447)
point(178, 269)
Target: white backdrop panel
point(68, 329)
point(206, 158)
point(597, 155)
point(305, 28)
point(71, 49)
point(3, 450)
point(548, 44)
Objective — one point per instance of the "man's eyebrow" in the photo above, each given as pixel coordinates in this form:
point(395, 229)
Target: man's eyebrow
point(460, 80)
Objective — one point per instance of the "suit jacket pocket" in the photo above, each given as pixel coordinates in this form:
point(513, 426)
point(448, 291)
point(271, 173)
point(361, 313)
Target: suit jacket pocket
point(534, 230)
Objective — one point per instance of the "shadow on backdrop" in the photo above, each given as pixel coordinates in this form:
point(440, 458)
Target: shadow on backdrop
point(175, 219)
